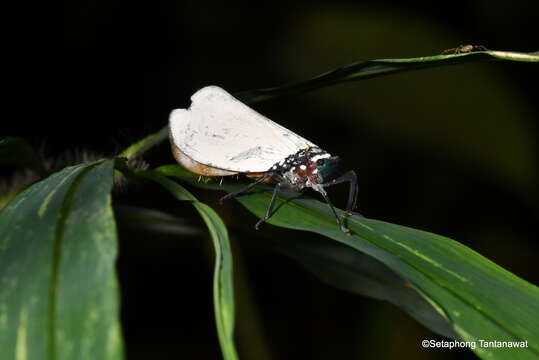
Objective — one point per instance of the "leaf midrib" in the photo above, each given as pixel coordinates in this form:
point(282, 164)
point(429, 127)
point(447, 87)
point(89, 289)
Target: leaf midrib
point(56, 257)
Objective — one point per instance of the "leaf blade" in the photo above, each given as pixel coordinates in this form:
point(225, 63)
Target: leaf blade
point(89, 253)
point(223, 290)
point(470, 291)
point(141, 146)
point(380, 67)
point(355, 71)
point(346, 269)
point(37, 229)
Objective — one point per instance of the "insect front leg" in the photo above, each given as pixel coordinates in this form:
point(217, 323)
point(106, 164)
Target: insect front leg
point(247, 188)
point(351, 178)
point(269, 211)
point(344, 229)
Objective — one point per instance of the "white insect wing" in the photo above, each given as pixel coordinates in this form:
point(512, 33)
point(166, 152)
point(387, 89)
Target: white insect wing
point(220, 131)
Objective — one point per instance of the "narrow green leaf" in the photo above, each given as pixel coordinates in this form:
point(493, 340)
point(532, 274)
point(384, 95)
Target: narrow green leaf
point(223, 290)
point(347, 269)
point(145, 144)
point(374, 68)
point(356, 71)
point(5, 198)
point(479, 299)
point(152, 220)
point(59, 293)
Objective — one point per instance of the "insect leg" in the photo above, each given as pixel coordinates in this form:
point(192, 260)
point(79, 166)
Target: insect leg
point(350, 177)
point(269, 211)
point(248, 187)
point(344, 229)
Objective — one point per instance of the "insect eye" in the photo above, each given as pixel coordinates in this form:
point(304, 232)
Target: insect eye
point(320, 162)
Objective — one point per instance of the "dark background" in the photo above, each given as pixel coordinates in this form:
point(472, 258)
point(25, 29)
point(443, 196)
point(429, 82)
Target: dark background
point(450, 150)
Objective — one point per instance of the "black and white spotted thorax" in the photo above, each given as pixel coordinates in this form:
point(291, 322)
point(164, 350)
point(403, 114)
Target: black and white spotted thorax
point(310, 167)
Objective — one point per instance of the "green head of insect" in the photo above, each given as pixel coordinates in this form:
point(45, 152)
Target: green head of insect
point(327, 169)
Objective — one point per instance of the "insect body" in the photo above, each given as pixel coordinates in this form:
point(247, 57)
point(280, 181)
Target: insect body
point(462, 49)
point(220, 136)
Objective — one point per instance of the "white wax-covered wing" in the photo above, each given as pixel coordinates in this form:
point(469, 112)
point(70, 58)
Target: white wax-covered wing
point(220, 131)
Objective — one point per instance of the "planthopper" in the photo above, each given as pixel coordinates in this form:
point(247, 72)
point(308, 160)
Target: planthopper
point(219, 135)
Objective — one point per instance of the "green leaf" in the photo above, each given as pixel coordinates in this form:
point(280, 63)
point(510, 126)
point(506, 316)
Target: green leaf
point(145, 144)
point(356, 71)
point(347, 269)
point(223, 290)
point(59, 293)
point(151, 220)
point(479, 299)
point(17, 151)
point(6, 197)
point(374, 68)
